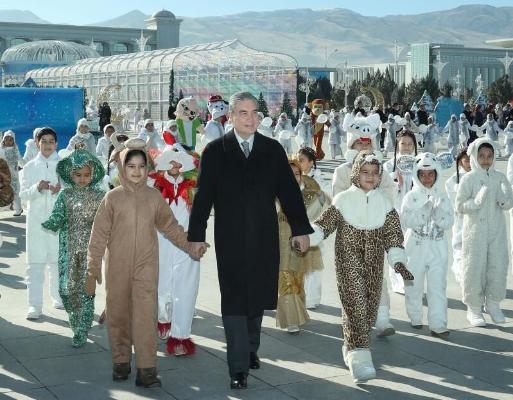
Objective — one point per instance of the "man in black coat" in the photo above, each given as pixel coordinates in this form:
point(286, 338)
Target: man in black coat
point(241, 175)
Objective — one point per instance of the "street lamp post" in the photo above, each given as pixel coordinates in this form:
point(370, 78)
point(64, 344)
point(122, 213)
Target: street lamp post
point(326, 56)
point(344, 84)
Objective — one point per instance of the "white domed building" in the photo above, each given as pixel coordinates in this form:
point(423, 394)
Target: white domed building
point(16, 61)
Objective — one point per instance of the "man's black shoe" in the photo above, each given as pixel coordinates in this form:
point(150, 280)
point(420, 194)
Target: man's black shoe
point(254, 361)
point(239, 381)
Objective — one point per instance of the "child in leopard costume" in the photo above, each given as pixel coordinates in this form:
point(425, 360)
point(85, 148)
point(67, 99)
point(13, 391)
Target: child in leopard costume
point(367, 225)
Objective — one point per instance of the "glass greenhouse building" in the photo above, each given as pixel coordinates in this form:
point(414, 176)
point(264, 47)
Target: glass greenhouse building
point(16, 61)
point(147, 78)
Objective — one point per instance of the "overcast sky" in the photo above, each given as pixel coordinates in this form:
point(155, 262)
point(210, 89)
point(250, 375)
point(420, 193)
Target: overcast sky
point(91, 11)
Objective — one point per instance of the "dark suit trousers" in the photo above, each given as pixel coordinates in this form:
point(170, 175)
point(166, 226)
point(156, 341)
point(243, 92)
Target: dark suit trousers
point(242, 337)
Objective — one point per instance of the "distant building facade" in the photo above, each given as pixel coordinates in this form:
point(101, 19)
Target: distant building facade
point(162, 32)
point(446, 61)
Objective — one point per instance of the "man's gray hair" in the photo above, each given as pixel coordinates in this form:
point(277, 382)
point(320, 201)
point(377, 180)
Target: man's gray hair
point(238, 97)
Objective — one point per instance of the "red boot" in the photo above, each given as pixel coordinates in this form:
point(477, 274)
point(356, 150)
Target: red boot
point(163, 329)
point(180, 347)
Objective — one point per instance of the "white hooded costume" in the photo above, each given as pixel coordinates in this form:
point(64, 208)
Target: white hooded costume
point(13, 158)
point(426, 213)
point(465, 129)
point(283, 131)
point(153, 138)
point(336, 135)
point(508, 131)
point(103, 146)
point(303, 131)
point(31, 148)
point(391, 128)
point(42, 245)
point(492, 128)
point(483, 196)
point(451, 187)
point(430, 138)
point(179, 274)
point(453, 141)
point(85, 139)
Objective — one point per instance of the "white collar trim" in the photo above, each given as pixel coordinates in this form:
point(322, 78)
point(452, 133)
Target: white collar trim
point(363, 210)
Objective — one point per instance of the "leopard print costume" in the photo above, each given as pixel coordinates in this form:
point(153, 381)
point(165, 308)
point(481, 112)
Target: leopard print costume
point(359, 256)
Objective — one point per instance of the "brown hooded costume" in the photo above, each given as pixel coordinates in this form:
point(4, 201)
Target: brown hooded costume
point(126, 225)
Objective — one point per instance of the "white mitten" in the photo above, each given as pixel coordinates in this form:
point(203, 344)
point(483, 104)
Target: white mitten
point(481, 196)
point(501, 196)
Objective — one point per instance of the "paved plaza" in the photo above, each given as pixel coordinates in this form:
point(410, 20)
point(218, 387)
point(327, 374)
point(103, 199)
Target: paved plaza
point(38, 362)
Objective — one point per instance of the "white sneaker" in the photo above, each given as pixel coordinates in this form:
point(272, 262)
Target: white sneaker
point(58, 305)
point(475, 317)
point(292, 329)
point(360, 365)
point(384, 329)
point(33, 313)
point(494, 310)
point(344, 355)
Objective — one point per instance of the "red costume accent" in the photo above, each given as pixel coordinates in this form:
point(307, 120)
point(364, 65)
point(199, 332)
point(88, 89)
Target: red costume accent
point(167, 189)
point(169, 138)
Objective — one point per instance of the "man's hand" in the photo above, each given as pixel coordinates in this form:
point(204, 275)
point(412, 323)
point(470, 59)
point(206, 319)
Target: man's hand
point(301, 243)
point(55, 189)
point(198, 249)
point(43, 185)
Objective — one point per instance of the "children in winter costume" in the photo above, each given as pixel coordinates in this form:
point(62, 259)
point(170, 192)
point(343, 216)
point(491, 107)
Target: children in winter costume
point(31, 149)
point(126, 225)
point(147, 130)
point(12, 155)
point(453, 129)
point(291, 309)
point(82, 138)
point(451, 186)
point(483, 195)
point(430, 136)
point(283, 131)
point(508, 131)
point(303, 131)
point(391, 128)
point(73, 216)
point(313, 275)
point(308, 164)
point(361, 135)
point(406, 148)
point(318, 126)
point(425, 214)
point(188, 122)
point(214, 128)
point(6, 192)
point(39, 188)
point(491, 127)
point(465, 129)
point(178, 273)
point(342, 181)
point(367, 225)
point(153, 139)
point(104, 143)
point(335, 135)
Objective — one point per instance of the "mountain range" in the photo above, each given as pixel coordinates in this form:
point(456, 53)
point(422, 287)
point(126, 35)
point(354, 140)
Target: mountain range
point(319, 37)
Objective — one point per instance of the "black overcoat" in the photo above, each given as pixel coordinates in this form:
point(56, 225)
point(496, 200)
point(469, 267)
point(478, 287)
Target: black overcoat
point(243, 193)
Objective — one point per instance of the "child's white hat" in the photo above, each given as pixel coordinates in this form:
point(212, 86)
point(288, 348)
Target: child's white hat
point(82, 122)
point(9, 133)
point(174, 153)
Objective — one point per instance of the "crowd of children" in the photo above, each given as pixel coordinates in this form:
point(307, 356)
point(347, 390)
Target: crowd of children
point(96, 213)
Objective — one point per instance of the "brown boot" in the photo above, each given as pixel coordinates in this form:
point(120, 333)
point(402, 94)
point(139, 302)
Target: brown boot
point(120, 371)
point(147, 377)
